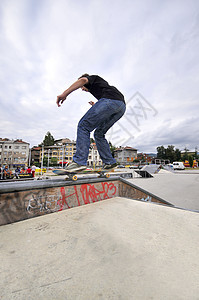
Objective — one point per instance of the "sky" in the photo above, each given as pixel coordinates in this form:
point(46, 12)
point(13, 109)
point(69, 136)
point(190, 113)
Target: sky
point(148, 49)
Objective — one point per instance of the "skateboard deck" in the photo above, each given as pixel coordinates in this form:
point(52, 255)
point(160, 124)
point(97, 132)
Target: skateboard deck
point(73, 175)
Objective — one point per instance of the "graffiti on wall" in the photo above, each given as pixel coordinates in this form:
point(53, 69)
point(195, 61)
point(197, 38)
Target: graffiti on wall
point(25, 204)
point(71, 197)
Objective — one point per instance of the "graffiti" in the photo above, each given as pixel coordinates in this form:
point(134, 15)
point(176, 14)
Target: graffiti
point(147, 199)
point(41, 203)
point(91, 194)
point(63, 199)
point(26, 204)
point(87, 193)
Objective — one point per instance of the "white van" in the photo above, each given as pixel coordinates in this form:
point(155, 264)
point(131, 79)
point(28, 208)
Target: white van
point(178, 165)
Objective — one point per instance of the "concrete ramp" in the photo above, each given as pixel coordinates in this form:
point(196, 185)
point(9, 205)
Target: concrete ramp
point(152, 168)
point(25, 200)
point(113, 249)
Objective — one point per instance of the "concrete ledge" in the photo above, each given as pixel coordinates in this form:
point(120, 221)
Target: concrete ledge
point(20, 201)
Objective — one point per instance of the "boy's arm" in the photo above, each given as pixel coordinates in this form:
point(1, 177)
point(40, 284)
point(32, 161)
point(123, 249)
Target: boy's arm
point(76, 85)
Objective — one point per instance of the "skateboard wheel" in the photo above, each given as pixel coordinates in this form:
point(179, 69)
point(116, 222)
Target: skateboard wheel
point(107, 175)
point(74, 177)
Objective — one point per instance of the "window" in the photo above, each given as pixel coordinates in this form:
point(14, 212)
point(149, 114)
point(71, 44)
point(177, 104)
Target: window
point(16, 147)
point(23, 147)
point(10, 147)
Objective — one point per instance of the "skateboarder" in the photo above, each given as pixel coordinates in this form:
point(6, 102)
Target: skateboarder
point(109, 108)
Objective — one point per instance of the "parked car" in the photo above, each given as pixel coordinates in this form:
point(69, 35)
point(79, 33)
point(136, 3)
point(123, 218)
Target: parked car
point(120, 166)
point(178, 165)
point(134, 167)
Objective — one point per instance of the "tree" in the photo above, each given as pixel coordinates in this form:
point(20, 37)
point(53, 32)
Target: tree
point(191, 161)
point(112, 148)
point(185, 156)
point(45, 161)
point(161, 152)
point(177, 155)
point(170, 153)
point(196, 153)
point(53, 161)
point(48, 140)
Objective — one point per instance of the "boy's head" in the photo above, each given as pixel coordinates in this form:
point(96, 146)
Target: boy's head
point(84, 88)
point(84, 75)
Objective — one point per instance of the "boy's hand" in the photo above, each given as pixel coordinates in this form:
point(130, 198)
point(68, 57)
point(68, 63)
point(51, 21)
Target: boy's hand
point(60, 99)
point(91, 103)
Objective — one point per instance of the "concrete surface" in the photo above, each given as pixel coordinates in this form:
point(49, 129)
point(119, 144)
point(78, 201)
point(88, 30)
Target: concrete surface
point(113, 249)
point(180, 189)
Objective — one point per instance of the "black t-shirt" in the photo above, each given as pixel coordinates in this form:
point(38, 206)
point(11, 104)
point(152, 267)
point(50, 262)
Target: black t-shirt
point(100, 88)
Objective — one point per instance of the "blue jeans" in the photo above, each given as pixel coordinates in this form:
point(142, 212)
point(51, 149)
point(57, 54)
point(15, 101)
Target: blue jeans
point(101, 116)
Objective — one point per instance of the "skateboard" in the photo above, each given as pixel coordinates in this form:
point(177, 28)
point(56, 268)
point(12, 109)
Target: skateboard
point(73, 175)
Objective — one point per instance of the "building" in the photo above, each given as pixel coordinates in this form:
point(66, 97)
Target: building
point(60, 153)
point(35, 156)
point(125, 155)
point(144, 157)
point(94, 159)
point(14, 153)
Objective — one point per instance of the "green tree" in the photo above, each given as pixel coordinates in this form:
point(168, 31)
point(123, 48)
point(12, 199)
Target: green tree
point(48, 140)
point(45, 161)
point(161, 152)
point(53, 161)
point(191, 161)
point(185, 155)
point(112, 148)
point(170, 153)
point(177, 155)
point(196, 153)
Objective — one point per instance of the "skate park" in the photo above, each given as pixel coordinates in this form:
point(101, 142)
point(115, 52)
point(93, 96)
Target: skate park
point(128, 237)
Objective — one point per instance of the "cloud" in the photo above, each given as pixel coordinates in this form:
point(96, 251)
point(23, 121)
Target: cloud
point(150, 47)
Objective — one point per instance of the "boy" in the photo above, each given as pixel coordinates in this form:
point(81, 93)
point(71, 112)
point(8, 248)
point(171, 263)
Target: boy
point(109, 108)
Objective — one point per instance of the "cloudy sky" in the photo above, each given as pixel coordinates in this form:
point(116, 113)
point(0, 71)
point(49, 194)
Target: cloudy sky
point(148, 49)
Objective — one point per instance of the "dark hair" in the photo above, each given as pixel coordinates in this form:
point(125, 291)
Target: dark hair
point(84, 75)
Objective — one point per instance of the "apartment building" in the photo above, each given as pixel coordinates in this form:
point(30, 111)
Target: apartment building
point(14, 153)
point(61, 152)
point(94, 159)
point(124, 155)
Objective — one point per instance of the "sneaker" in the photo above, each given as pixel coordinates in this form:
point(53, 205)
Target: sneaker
point(109, 167)
point(74, 167)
